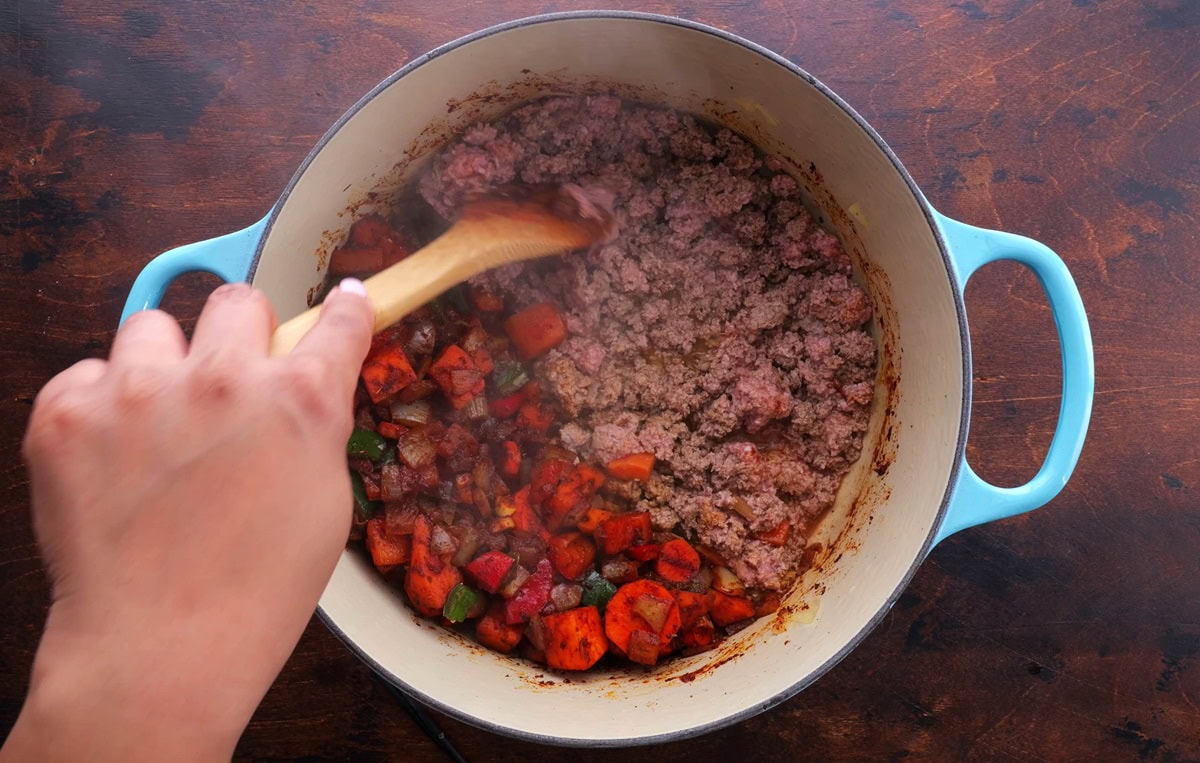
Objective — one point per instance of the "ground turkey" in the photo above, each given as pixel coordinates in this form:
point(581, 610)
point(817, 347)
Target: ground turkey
point(721, 330)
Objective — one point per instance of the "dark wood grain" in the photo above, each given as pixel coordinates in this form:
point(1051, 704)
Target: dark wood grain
point(1072, 633)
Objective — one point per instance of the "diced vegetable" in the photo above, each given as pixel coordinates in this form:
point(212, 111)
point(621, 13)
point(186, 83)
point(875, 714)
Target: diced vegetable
point(597, 591)
point(572, 495)
point(545, 478)
point(643, 647)
point(535, 330)
point(476, 409)
point(509, 377)
point(644, 553)
point(400, 518)
point(493, 632)
point(490, 569)
point(364, 443)
point(743, 509)
point(565, 596)
point(592, 519)
point(575, 639)
point(700, 635)
point(364, 507)
point(460, 602)
point(532, 596)
point(468, 544)
point(621, 618)
point(535, 417)
point(778, 535)
point(636, 466)
point(416, 450)
point(430, 576)
point(571, 554)
point(692, 606)
point(621, 531)
point(653, 609)
point(507, 406)
point(769, 604)
point(390, 431)
point(386, 372)
point(414, 414)
point(678, 562)
point(725, 581)
point(517, 577)
point(727, 610)
point(510, 461)
point(457, 375)
point(619, 570)
point(387, 550)
point(483, 301)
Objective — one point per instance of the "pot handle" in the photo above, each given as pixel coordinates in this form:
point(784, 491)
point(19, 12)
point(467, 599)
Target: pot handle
point(228, 257)
point(974, 501)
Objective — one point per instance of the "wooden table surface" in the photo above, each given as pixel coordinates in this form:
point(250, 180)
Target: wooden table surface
point(1072, 633)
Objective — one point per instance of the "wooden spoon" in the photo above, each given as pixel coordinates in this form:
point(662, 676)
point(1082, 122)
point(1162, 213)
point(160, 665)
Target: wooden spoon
point(512, 224)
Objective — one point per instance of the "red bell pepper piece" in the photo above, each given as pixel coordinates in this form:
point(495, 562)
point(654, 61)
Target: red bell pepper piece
point(644, 553)
point(532, 596)
point(571, 554)
point(510, 463)
point(490, 569)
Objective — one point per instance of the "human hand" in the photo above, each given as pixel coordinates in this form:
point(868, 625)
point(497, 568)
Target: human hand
point(190, 503)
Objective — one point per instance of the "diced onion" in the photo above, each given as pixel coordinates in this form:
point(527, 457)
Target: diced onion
point(653, 610)
point(417, 451)
point(725, 581)
point(477, 408)
point(442, 542)
point(565, 596)
point(536, 632)
point(744, 510)
point(414, 414)
point(516, 578)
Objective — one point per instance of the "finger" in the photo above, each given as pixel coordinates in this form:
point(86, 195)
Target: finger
point(237, 321)
point(149, 336)
point(84, 373)
point(342, 334)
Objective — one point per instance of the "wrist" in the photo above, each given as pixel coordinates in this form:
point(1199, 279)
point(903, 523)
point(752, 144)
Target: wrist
point(101, 698)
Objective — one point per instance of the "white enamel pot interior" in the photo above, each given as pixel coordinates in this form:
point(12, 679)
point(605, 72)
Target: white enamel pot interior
point(910, 489)
point(890, 507)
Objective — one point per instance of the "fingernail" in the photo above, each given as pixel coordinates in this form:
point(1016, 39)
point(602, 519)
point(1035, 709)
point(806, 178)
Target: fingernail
point(354, 286)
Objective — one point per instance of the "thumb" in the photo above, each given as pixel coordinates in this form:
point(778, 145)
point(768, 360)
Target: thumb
point(342, 334)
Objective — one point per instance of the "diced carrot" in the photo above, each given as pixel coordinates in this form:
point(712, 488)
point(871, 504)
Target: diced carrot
point(390, 431)
point(636, 466)
point(507, 406)
point(700, 635)
point(352, 260)
point(620, 619)
point(430, 576)
point(692, 606)
point(621, 531)
point(778, 535)
point(573, 495)
point(572, 554)
point(575, 639)
point(494, 633)
point(371, 230)
point(484, 301)
point(534, 417)
point(592, 518)
point(387, 550)
point(769, 604)
point(524, 517)
point(678, 562)
point(387, 372)
point(727, 610)
point(646, 552)
point(457, 375)
point(510, 462)
point(535, 330)
point(544, 478)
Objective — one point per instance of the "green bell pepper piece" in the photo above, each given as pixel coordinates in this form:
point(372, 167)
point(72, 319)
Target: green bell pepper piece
point(459, 603)
point(597, 591)
point(364, 443)
point(363, 506)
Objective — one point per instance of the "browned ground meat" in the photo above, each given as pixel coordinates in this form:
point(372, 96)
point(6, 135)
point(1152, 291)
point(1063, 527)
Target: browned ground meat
point(721, 331)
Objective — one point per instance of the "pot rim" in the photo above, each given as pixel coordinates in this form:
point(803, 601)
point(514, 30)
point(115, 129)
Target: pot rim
point(964, 339)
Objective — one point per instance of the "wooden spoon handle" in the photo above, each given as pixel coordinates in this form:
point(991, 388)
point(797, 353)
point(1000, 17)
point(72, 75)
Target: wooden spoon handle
point(395, 291)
